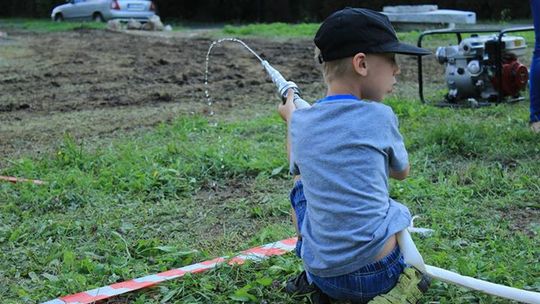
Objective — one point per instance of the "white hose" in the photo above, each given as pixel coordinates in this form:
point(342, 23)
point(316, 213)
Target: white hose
point(413, 258)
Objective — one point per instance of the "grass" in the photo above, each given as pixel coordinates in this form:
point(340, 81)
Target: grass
point(191, 190)
point(273, 30)
point(46, 25)
point(279, 29)
point(308, 30)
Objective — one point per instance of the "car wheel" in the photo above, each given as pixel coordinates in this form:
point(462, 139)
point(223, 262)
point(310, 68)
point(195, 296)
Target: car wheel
point(97, 17)
point(58, 17)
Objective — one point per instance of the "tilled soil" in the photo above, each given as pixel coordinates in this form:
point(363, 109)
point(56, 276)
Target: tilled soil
point(97, 84)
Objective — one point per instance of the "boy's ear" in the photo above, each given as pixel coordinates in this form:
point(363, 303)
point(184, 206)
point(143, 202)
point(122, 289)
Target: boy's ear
point(360, 64)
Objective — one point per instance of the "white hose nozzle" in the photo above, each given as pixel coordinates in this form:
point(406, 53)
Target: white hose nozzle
point(283, 86)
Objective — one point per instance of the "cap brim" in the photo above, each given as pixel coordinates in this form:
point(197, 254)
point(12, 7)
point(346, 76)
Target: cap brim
point(407, 49)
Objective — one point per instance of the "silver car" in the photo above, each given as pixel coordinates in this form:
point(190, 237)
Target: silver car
point(103, 10)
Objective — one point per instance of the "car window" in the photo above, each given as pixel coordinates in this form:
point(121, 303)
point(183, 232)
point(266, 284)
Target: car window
point(78, 1)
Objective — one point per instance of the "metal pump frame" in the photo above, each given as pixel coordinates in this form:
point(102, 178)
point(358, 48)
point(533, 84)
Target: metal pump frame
point(459, 32)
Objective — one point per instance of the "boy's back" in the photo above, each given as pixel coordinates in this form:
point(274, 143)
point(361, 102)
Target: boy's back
point(343, 147)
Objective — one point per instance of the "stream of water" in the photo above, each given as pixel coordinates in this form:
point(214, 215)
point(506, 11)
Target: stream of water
point(218, 42)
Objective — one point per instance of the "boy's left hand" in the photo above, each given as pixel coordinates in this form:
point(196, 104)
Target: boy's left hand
point(286, 110)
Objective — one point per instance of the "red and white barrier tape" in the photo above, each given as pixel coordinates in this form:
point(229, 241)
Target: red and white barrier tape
point(411, 254)
point(257, 254)
point(20, 180)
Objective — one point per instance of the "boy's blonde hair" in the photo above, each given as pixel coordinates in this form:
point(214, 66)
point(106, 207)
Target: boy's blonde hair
point(335, 69)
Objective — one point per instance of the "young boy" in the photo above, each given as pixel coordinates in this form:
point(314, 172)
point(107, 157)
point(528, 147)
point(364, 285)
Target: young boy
point(346, 147)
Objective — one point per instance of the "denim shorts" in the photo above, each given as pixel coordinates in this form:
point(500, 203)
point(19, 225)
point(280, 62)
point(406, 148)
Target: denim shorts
point(361, 285)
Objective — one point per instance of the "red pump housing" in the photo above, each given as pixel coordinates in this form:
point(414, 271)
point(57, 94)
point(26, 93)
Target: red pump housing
point(514, 76)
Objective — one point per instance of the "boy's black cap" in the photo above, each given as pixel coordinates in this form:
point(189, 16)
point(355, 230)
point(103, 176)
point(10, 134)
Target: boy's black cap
point(357, 30)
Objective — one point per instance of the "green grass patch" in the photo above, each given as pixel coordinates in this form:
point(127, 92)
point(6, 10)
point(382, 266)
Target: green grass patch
point(47, 25)
point(277, 29)
point(287, 30)
point(190, 191)
point(308, 30)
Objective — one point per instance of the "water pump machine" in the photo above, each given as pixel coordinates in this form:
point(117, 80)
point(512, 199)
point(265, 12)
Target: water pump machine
point(481, 69)
point(471, 68)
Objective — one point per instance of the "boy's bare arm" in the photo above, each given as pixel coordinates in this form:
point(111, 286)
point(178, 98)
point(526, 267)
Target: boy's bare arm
point(285, 111)
point(400, 175)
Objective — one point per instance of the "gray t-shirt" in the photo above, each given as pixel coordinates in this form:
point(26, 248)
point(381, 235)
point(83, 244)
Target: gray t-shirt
point(343, 147)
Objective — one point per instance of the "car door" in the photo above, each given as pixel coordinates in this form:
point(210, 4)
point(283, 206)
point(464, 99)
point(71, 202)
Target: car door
point(82, 9)
point(97, 6)
point(69, 10)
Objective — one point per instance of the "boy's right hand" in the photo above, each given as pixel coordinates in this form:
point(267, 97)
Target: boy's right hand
point(286, 109)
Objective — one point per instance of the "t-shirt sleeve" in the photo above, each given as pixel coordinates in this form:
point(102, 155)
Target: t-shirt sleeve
point(399, 158)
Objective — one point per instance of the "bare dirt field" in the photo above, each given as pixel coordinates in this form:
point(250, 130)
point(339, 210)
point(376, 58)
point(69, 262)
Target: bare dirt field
point(94, 84)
